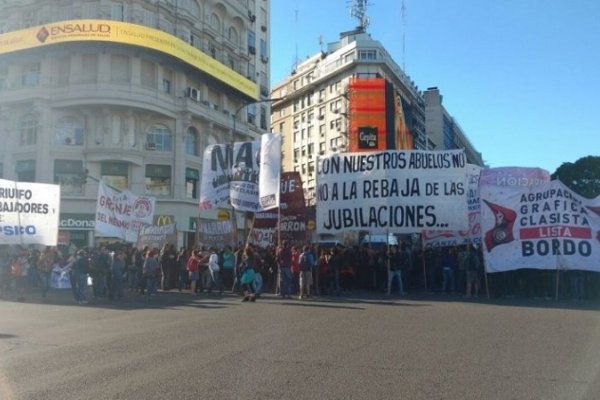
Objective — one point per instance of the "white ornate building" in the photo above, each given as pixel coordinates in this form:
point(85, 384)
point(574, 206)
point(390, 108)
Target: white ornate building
point(131, 91)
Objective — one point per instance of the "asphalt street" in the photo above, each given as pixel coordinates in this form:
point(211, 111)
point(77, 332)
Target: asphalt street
point(364, 346)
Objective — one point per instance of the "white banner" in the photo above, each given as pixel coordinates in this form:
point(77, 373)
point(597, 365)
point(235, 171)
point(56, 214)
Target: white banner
point(121, 214)
point(543, 226)
point(473, 234)
point(392, 191)
point(230, 176)
point(244, 176)
point(216, 175)
point(270, 170)
point(29, 213)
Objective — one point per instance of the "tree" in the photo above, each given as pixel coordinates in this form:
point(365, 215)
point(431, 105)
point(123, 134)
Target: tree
point(582, 176)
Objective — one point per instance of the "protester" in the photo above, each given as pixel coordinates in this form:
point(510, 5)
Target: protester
point(117, 270)
point(214, 271)
point(79, 275)
point(284, 263)
point(151, 270)
point(306, 263)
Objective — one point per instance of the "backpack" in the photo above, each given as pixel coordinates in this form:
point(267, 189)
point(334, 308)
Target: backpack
point(304, 263)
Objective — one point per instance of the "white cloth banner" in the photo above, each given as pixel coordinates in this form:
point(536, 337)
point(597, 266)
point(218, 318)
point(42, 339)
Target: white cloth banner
point(216, 175)
point(473, 234)
point(29, 213)
point(270, 170)
point(230, 176)
point(121, 214)
point(543, 226)
point(392, 191)
point(244, 176)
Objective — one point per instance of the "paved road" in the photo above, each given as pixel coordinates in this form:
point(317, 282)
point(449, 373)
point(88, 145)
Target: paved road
point(178, 346)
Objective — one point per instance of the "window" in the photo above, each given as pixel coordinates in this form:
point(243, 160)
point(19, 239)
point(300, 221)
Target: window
point(367, 55)
point(115, 174)
point(215, 22)
point(158, 180)
point(25, 170)
point(117, 11)
point(263, 49)
point(263, 118)
point(119, 68)
point(159, 138)
point(29, 129)
point(251, 42)
point(191, 141)
point(89, 68)
point(69, 132)
point(192, 177)
point(166, 82)
point(64, 70)
point(67, 174)
point(30, 75)
point(233, 35)
point(148, 74)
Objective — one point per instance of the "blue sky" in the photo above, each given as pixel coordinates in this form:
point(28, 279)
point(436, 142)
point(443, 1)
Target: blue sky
point(521, 77)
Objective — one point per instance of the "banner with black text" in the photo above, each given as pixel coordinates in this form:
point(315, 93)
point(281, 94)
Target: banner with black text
point(392, 191)
point(29, 213)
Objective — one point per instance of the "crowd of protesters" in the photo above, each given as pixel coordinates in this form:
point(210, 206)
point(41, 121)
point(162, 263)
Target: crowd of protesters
point(289, 270)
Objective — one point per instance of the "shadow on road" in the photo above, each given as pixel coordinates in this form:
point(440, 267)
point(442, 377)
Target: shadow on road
point(351, 301)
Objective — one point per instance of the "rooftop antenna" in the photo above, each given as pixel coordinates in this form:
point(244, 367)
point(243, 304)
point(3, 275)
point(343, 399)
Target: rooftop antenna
point(295, 62)
point(403, 16)
point(321, 43)
point(358, 10)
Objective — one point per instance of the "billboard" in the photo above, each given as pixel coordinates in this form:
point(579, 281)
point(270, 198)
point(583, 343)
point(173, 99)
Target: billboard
point(367, 114)
point(92, 30)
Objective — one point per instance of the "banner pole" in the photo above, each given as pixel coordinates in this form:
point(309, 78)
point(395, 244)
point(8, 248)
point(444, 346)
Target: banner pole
point(424, 264)
point(557, 282)
point(487, 286)
point(387, 246)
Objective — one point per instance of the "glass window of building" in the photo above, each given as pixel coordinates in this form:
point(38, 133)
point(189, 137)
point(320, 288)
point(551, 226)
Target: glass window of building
point(148, 74)
point(69, 132)
point(119, 68)
point(215, 22)
point(115, 174)
point(191, 141)
point(89, 68)
point(251, 42)
point(263, 49)
point(234, 37)
point(158, 180)
point(29, 130)
point(192, 178)
point(64, 70)
point(30, 74)
point(25, 170)
point(167, 79)
point(159, 138)
point(67, 174)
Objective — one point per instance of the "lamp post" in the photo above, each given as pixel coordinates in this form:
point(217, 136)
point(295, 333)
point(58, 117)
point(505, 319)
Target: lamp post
point(234, 116)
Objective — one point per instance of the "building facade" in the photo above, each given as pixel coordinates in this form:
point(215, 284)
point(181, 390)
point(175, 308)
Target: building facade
point(316, 115)
point(443, 132)
point(131, 92)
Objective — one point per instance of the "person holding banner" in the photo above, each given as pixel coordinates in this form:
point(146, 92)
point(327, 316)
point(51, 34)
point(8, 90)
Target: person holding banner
point(213, 270)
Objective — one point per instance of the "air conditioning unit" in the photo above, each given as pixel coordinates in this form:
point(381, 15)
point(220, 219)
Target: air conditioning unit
point(205, 103)
point(336, 110)
point(251, 49)
point(193, 93)
point(150, 146)
point(321, 117)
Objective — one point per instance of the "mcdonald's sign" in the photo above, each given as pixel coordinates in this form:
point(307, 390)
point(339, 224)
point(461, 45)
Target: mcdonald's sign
point(162, 220)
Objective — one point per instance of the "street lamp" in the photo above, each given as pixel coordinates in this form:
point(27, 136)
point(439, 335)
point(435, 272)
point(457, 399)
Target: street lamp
point(241, 107)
